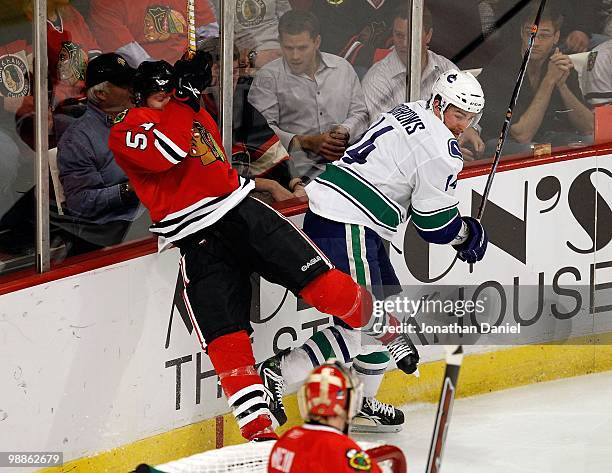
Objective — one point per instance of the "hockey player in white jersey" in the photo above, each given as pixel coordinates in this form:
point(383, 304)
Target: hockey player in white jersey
point(404, 166)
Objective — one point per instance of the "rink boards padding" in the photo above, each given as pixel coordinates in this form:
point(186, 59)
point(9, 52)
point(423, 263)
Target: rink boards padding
point(97, 361)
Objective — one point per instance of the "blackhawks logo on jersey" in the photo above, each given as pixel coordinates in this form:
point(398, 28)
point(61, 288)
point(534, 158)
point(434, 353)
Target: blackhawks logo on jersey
point(204, 146)
point(71, 63)
point(358, 460)
point(14, 77)
point(250, 12)
point(161, 22)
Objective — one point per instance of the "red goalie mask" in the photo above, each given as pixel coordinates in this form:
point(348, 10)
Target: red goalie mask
point(330, 390)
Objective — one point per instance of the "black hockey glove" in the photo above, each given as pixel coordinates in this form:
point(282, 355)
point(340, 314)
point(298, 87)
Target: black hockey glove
point(474, 247)
point(192, 77)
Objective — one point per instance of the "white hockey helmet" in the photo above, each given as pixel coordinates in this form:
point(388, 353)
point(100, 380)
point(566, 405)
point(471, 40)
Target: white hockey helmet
point(460, 89)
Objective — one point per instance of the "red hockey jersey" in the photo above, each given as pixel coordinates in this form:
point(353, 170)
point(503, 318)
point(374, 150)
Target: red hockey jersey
point(175, 162)
point(317, 448)
point(159, 27)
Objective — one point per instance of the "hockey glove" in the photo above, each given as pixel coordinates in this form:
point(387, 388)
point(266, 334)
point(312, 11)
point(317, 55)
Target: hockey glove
point(475, 246)
point(192, 77)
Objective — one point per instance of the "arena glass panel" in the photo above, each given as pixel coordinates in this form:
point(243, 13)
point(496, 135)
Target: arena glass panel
point(98, 208)
point(17, 175)
point(302, 68)
point(554, 109)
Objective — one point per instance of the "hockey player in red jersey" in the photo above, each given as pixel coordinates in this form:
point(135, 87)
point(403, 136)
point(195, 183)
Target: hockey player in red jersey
point(171, 151)
point(328, 401)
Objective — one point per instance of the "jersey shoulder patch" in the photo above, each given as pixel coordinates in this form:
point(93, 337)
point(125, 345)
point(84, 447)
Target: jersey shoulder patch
point(591, 60)
point(358, 460)
point(121, 116)
point(454, 149)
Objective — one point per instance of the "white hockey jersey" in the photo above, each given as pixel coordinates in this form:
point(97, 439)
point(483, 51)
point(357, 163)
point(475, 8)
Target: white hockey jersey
point(405, 164)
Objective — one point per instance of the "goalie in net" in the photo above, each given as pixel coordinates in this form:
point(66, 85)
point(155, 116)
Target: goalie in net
point(328, 401)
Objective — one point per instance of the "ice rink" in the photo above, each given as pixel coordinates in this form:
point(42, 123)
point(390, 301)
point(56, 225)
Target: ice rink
point(562, 426)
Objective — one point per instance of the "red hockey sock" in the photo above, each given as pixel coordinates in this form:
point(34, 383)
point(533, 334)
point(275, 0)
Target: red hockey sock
point(232, 358)
point(335, 293)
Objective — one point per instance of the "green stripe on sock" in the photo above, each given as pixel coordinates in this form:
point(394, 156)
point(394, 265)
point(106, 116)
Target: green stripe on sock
point(357, 256)
point(378, 357)
point(323, 343)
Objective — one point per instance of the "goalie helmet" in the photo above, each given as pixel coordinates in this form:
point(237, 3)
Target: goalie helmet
point(460, 89)
point(330, 390)
point(151, 77)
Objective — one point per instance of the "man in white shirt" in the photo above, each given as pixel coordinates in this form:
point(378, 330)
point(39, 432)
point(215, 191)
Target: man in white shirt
point(384, 86)
point(307, 94)
point(597, 77)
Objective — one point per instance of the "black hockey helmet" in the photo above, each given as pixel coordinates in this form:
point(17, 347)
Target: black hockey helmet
point(151, 77)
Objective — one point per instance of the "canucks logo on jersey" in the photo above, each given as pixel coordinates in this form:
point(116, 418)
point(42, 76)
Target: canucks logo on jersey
point(454, 149)
point(204, 146)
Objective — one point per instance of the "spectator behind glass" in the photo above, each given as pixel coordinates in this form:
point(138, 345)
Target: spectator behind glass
point(98, 193)
point(256, 29)
point(142, 30)
point(384, 86)
point(312, 100)
point(356, 29)
point(550, 107)
point(597, 77)
point(256, 151)
point(70, 45)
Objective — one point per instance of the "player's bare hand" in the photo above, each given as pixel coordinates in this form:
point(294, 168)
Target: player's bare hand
point(577, 41)
point(471, 144)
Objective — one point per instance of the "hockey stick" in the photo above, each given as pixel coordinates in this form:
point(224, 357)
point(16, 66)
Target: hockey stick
point(508, 119)
point(454, 353)
point(454, 358)
point(191, 33)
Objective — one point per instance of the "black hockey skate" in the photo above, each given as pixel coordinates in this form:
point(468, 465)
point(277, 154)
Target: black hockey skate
point(270, 372)
point(377, 417)
point(404, 353)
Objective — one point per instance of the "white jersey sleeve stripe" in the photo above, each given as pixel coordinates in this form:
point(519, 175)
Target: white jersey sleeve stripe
point(165, 153)
point(171, 144)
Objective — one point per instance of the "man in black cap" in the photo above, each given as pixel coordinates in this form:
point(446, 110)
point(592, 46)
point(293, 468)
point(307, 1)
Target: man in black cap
point(98, 194)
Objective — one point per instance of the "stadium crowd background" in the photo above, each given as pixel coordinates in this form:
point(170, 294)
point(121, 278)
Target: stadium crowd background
point(300, 97)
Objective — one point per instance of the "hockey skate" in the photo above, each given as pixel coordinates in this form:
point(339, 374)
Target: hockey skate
point(270, 372)
point(377, 417)
point(404, 353)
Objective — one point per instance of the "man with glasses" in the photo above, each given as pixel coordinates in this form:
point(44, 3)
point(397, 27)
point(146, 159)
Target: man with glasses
point(550, 107)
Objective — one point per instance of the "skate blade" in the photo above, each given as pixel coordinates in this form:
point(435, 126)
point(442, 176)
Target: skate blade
point(374, 429)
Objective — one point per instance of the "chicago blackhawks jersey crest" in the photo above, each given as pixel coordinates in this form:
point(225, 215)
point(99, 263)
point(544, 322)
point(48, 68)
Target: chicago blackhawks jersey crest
point(160, 22)
point(204, 146)
point(14, 75)
point(71, 63)
point(250, 12)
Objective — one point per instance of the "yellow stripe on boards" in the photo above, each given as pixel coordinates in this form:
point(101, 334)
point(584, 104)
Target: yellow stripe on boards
point(480, 373)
